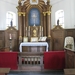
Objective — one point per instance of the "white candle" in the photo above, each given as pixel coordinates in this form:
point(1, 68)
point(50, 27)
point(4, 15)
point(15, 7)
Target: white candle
point(10, 37)
point(29, 28)
point(26, 28)
point(42, 28)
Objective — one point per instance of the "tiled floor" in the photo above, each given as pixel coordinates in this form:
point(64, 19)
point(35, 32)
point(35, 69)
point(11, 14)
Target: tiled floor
point(36, 72)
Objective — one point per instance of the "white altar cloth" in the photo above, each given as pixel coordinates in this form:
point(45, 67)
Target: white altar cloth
point(33, 44)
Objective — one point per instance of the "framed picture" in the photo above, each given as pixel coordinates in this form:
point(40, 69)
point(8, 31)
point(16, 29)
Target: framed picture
point(42, 38)
point(34, 39)
point(33, 2)
point(25, 39)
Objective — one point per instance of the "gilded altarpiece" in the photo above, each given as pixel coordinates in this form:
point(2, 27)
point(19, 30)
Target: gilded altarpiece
point(34, 20)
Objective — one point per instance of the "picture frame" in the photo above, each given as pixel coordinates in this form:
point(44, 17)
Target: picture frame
point(34, 39)
point(42, 38)
point(25, 39)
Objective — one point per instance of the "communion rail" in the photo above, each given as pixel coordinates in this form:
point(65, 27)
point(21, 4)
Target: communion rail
point(30, 61)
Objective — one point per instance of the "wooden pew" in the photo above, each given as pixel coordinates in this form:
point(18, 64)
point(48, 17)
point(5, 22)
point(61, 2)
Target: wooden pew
point(4, 71)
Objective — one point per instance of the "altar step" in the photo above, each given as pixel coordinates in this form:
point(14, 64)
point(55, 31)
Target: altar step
point(30, 68)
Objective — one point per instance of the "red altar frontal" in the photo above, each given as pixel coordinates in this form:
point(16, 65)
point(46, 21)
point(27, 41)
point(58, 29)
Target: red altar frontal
point(54, 60)
point(8, 60)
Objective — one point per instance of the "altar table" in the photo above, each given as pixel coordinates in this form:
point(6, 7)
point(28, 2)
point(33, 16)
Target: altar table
point(33, 44)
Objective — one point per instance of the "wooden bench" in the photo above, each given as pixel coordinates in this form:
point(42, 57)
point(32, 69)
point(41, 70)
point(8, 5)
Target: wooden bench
point(69, 71)
point(4, 71)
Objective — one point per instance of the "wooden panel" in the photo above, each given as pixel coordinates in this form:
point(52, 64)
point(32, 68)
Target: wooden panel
point(69, 59)
point(58, 36)
point(70, 32)
point(33, 49)
point(2, 41)
point(13, 41)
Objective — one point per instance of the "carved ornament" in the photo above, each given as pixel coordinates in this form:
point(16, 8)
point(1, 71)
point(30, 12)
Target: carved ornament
point(20, 13)
point(48, 12)
point(44, 13)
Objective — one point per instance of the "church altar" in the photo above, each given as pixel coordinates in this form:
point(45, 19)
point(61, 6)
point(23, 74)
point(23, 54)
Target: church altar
point(33, 44)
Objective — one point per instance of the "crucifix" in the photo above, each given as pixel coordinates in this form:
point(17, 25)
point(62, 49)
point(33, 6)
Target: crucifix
point(34, 17)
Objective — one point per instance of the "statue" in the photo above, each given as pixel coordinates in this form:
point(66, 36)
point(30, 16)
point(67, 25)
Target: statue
point(19, 1)
point(11, 23)
point(58, 22)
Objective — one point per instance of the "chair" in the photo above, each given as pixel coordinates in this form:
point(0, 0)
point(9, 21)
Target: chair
point(69, 42)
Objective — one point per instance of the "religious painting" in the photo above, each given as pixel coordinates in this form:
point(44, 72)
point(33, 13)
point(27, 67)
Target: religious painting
point(33, 2)
point(34, 17)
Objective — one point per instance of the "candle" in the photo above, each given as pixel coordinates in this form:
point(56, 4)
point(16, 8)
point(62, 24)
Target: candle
point(10, 37)
point(26, 28)
point(29, 28)
point(42, 28)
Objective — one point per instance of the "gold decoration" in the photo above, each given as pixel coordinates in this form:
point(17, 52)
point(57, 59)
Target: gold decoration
point(20, 37)
point(24, 14)
point(33, 0)
point(49, 35)
point(20, 13)
point(48, 12)
point(44, 13)
point(34, 32)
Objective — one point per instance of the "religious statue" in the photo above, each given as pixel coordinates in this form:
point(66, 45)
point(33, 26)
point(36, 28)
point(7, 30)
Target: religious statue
point(19, 1)
point(58, 22)
point(11, 23)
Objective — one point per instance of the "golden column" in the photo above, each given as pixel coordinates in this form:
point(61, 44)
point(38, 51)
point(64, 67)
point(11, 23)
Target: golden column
point(24, 24)
point(44, 26)
point(20, 21)
point(48, 19)
point(20, 26)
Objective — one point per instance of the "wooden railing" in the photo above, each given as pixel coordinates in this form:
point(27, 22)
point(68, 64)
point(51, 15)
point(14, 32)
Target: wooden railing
point(30, 60)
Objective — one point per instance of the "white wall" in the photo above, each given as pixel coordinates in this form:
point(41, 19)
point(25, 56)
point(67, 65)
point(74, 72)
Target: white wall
point(69, 16)
point(67, 5)
point(4, 7)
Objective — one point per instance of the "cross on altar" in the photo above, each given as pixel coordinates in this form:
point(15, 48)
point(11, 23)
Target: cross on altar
point(34, 17)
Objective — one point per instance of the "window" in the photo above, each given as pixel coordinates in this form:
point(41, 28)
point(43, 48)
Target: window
point(59, 15)
point(10, 16)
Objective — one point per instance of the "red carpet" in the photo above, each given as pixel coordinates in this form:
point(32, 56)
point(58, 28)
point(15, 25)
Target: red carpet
point(54, 60)
point(8, 60)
